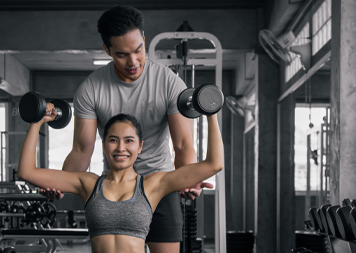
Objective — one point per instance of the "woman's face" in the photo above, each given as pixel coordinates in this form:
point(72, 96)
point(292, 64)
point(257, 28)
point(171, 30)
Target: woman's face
point(122, 145)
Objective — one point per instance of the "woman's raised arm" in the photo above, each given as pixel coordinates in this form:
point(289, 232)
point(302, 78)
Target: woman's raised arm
point(46, 178)
point(189, 175)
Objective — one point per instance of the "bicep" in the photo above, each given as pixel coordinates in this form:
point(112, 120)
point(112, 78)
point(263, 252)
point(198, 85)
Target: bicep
point(84, 134)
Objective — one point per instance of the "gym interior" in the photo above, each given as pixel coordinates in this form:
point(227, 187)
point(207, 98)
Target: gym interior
point(287, 72)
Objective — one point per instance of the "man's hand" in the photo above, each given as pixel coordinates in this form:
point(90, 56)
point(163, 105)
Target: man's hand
point(195, 191)
point(51, 194)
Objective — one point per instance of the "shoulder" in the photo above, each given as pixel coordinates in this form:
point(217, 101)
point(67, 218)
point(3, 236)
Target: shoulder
point(156, 67)
point(93, 80)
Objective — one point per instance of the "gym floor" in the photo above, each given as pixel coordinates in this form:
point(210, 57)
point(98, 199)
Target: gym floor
point(84, 247)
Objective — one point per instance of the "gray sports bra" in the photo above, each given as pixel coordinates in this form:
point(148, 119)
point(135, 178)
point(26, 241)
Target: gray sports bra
point(129, 217)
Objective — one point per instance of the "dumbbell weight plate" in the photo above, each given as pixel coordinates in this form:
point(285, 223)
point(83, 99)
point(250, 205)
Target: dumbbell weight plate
point(343, 222)
point(66, 116)
point(32, 107)
point(184, 99)
point(323, 218)
point(353, 220)
point(315, 218)
point(331, 218)
point(208, 99)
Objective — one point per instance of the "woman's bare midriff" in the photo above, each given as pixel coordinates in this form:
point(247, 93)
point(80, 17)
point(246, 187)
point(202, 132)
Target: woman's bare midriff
point(117, 243)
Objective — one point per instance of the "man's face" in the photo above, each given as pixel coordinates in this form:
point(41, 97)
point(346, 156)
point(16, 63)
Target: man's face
point(128, 53)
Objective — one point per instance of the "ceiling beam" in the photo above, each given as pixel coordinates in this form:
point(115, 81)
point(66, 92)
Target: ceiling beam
point(29, 5)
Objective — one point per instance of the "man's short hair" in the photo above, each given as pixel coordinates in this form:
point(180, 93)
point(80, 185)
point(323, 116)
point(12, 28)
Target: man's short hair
point(118, 21)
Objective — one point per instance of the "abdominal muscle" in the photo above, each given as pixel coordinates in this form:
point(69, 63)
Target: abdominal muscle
point(117, 243)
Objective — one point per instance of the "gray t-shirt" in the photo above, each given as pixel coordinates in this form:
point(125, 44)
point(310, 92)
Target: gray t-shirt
point(150, 99)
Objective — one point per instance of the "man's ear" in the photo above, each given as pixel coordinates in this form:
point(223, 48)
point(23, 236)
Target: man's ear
point(107, 51)
point(143, 35)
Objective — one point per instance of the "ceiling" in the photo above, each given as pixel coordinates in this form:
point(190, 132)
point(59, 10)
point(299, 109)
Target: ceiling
point(140, 4)
point(83, 60)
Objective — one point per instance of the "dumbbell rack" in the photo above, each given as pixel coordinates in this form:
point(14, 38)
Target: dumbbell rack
point(335, 222)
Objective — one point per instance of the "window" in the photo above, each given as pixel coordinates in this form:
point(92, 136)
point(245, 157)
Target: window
point(3, 129)
point(320, 35)
point(321, 26)
point(301, 39)
point(302, 131)
point(60, 144)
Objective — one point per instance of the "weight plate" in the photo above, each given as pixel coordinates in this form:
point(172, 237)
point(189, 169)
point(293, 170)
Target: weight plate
point(64, 120)
point(184, 104)
point(343, 222)
point(208, 99)
point(32, 107)
point(353, 220)
point(323, 217)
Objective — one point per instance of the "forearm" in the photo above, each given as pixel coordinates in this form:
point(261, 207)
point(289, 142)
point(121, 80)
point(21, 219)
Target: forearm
point(215, 151)
point(27, 160)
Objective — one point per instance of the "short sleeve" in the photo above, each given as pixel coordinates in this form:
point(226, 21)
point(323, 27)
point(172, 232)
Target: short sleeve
point(83, 101)
point(175, 87)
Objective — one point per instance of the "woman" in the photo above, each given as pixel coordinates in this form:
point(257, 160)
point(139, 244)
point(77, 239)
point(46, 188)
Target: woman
point(120, 204)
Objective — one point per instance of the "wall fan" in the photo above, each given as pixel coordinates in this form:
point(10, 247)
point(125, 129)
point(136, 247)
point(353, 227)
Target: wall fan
point(277, 48)
point(238, 105)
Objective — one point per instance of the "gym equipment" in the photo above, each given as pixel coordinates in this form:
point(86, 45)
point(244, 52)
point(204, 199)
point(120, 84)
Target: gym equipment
point(324, 221)
point(46, 240)
point(22, 197)
point(9, 250)
point(343, 222)
point(32, 108)
point(50, 212)
point(34, 213)
point(353, 220)
point(315, 218)
point(312, 241)
point(331, 218)
point(207, 99)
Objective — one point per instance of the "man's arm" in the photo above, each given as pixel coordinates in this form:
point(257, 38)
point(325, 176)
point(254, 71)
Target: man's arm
point(181, 130)
point(83, 145)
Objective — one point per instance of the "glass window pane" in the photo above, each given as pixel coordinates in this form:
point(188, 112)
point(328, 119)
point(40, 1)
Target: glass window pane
point(60, 144)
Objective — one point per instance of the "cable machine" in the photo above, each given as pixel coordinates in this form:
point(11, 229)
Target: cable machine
point(184, 61)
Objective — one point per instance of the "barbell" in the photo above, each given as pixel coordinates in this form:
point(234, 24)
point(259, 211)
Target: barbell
point(32, 109)
point(207, 99)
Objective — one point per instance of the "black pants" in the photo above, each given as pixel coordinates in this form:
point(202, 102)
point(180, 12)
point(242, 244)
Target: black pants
point(167, 220)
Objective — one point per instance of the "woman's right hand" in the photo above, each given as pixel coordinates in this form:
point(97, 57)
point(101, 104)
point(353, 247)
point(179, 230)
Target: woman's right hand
point(50, 114)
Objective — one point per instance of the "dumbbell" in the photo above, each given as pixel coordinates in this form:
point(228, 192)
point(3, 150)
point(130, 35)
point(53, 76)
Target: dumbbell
point(323, 218)
point(9, 249)
point(32, 108)
point(331, 218)
point(207, 99)
point(315, 218)
point(343, 222)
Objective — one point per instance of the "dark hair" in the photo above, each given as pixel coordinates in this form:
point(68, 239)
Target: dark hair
point(123, 118)
point(118, 21)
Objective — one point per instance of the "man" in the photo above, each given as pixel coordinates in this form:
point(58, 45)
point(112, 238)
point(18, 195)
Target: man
point(147, 90)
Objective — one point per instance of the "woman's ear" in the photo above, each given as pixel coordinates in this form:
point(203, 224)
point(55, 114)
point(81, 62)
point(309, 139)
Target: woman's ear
point(140, 148)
